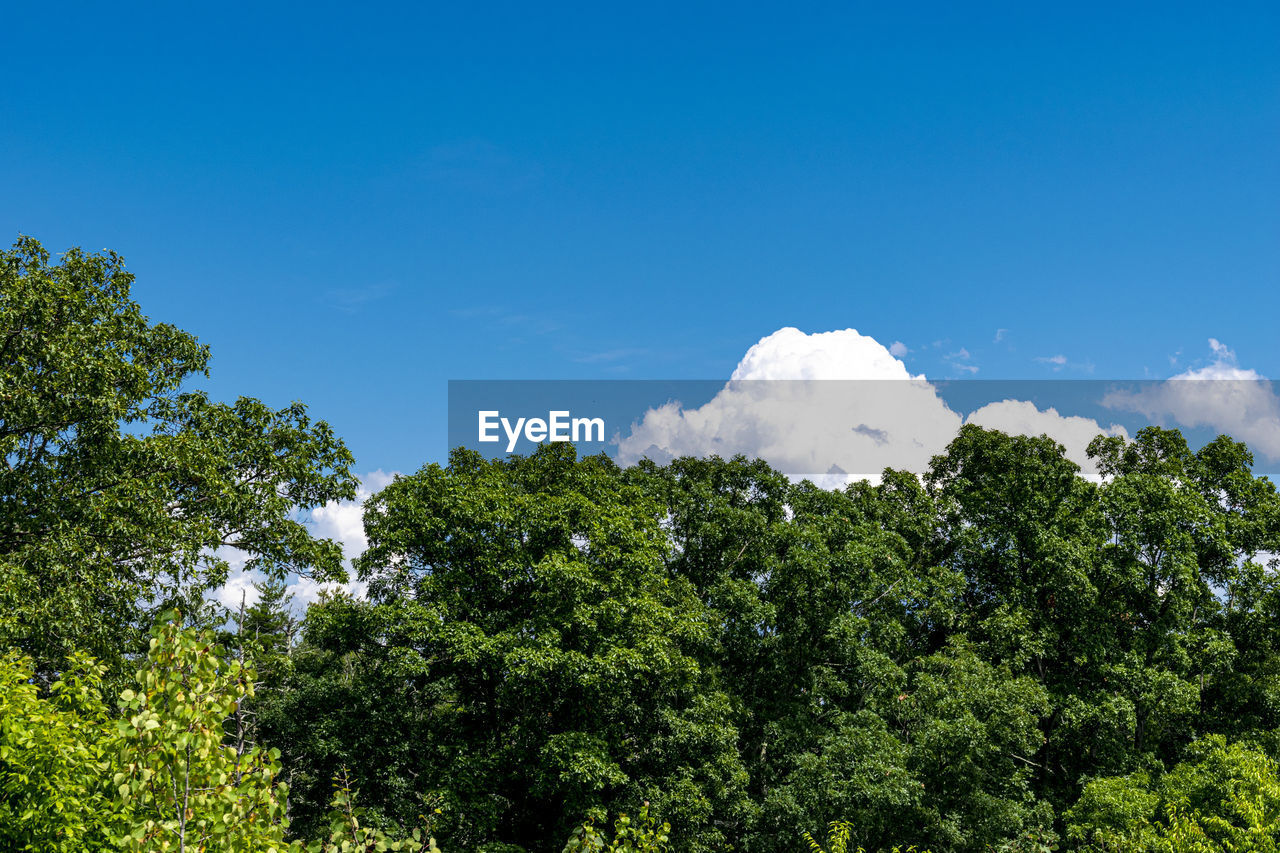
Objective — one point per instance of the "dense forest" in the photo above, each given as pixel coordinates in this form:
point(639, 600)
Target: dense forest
point(997, 655)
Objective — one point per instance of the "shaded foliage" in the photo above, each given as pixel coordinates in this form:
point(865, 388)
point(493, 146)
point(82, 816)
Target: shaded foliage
point(940, 661)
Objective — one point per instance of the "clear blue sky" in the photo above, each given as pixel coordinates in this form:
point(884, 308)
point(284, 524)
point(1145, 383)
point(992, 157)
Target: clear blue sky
point(352, 204)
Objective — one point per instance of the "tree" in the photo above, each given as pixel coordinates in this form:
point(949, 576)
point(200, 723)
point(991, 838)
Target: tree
point(269, 622)
point(156, 778)
point(160, 775)
point(183, 788)
point(644, 836)
point(120, 488)
point(527, 653)
point(54, 757)
point(1225, 796)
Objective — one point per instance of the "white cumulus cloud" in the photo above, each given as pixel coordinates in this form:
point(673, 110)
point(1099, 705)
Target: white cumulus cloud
point(1220, 395)
point(239, 582)
point(791, 354)
point(1018, 417)
point(842, 420)
point(850, 410)
point(879, 415)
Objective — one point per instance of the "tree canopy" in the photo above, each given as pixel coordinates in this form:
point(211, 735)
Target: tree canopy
point(121, 487)
point(944, 661)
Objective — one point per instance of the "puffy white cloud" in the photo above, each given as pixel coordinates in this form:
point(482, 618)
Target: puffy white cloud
point(898, 349)
point(1018, 417)
point(841, 421)
point(834, 431)
point(791, 354)
point(239, 582)
point(343, 521)
point(306, 591)
point(1221, 396)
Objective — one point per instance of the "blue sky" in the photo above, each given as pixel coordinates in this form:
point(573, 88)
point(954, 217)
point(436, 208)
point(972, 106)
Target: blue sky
point(354, 205)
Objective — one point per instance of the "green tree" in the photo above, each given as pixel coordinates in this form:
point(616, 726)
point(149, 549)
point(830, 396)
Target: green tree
point(1182, 589)
point(527, 640)
point(355, 695)
point(120, 487)
point(156, 777)
point(934, 661)
point(1225, 796)
point(161, 775)
point(184, 787)
point(269, 624)
point(839, 639)
point(54, 757)
point(641, 836)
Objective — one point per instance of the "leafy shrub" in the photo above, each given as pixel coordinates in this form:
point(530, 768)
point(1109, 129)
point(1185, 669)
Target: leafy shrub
point(642, 836)
point(1225, 797)
point(839, 833)
point(157, 776)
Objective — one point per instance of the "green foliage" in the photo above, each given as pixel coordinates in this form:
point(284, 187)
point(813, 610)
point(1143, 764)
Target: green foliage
point(348, 835)
point(156, 777)
point(120, 486)
point(54, 754)
point(643, 835)
point(839, 833)
point(997, 656)
point(526, 651)
point(936, 662)
point(1224, 797)
point(267, 628)
point(185, 788)
point(159, 776)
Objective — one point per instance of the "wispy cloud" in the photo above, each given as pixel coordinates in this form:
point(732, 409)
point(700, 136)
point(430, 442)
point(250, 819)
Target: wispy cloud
point(351, 300)
point(515, 323)
point(478, 165)
point(1060, 362)
point(612, 355)
point(960, 360)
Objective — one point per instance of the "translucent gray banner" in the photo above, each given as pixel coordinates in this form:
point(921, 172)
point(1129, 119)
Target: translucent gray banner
point(848, 429)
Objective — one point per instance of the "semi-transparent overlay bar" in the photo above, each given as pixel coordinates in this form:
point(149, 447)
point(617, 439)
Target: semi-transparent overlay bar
point(849, 429)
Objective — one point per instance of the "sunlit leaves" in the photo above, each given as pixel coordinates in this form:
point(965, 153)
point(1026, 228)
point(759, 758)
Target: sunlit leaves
point(119, 485)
